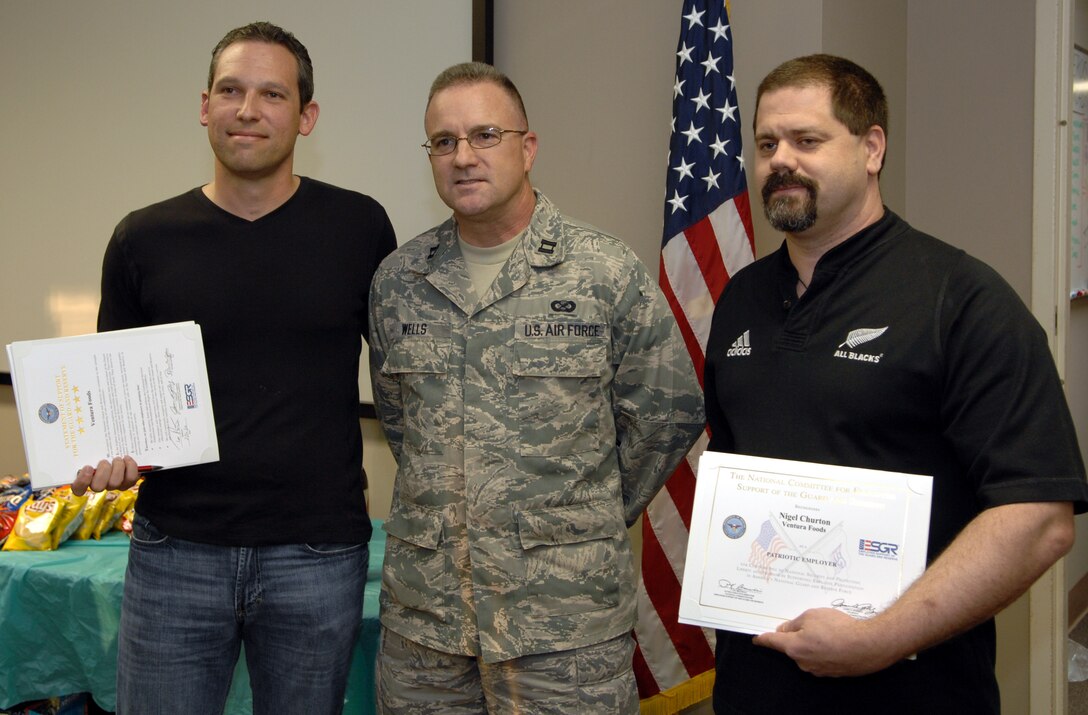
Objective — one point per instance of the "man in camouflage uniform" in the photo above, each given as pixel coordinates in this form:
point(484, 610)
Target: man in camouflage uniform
point(536, 394)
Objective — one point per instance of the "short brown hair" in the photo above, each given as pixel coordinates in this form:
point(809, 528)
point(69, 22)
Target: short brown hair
point(476, 73)
point(857, 99)
point(273, 35)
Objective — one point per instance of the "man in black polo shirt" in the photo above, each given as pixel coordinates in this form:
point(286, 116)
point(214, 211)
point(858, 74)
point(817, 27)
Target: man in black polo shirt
point(873, 345)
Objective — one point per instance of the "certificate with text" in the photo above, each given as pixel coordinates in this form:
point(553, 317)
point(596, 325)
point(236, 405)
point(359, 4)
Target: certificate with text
point(141, 392)
point(771, 538)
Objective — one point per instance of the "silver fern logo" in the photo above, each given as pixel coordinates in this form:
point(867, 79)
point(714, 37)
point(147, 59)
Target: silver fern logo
point(862, 336)
point(859, 337)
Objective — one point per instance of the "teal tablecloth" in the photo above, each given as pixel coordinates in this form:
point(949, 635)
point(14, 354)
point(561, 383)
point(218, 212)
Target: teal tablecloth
point(59, 612)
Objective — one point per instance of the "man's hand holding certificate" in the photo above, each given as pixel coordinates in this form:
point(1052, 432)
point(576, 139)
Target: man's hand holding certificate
point(141, 392)
point(772, 538)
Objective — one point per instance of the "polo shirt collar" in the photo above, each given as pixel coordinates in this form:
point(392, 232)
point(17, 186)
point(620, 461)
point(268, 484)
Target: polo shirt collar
point(839, 258)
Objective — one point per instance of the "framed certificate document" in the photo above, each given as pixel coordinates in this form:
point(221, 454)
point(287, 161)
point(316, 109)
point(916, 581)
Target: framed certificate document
point(142, 392)
point(772, 538)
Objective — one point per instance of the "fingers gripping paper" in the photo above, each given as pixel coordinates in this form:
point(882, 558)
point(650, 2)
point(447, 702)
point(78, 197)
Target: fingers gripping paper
point(141, 392)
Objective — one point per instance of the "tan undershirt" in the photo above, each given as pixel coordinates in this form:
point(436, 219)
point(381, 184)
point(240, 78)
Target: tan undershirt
point(485, 263)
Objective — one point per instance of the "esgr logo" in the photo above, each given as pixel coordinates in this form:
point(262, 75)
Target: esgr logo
point(190, 396)
point(880, 549)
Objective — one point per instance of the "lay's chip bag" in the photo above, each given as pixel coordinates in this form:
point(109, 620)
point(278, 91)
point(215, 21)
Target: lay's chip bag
point(46, 520)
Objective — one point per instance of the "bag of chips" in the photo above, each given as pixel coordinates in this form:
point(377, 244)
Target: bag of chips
point(110, 514)
point(72, 516)
point(126, 508)
point(99, 506)
point(10, 502)
point(45, 520)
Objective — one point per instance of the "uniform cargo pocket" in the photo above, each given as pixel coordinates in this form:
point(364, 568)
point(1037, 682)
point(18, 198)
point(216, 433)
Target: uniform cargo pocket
point(571, 557)
point(418, 572)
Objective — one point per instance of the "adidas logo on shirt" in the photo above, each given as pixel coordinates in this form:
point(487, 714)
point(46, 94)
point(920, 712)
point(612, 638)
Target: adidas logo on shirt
point(740, 347)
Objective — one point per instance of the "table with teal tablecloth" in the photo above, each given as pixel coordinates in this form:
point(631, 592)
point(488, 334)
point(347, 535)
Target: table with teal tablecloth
point(59, 612)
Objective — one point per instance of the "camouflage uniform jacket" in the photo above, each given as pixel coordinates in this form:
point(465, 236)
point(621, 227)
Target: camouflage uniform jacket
point(530, 427)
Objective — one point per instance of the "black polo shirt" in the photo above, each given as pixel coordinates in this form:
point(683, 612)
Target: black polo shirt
point(904, 354)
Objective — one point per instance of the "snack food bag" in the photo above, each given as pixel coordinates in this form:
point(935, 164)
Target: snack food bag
point(34, 524)
point(110, 514)
point(45, 520)
point(72, 516)
point(99, 506)
point(126, 508)
point(10, 502)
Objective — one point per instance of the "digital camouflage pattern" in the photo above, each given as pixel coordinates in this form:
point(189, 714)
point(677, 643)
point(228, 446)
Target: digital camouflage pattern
point(415, 680)
point(530, 428)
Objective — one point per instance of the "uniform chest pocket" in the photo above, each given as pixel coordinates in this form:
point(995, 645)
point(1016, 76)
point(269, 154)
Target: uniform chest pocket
point(558, 396)
point(421, 365)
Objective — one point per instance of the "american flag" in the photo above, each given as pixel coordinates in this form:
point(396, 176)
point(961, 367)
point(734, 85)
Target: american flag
point(764, 548)
point(707, 238)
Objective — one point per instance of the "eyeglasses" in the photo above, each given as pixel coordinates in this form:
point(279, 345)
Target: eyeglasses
point(479, 138)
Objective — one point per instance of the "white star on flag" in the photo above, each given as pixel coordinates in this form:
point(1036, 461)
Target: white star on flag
point(684, 169)
point(711, 63)
point(728, 111)
point(701, 101)
point(692, 133)
point(677, 201)
point(719, 147)
point(719, 30)
point(694, 18)
point(684, 53)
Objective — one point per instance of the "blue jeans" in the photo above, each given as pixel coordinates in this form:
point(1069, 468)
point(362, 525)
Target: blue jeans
point(188, 608)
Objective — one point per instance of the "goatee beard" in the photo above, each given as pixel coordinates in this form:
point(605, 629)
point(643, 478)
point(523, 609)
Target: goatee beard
point(788, 214)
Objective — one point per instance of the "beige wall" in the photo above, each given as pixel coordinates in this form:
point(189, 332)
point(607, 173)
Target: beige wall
point(12, 457)
point(380, 469)
point(596, 78)
point(969, 129)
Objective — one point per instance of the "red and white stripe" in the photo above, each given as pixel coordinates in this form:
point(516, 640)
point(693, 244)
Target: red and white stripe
point(695, 268)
